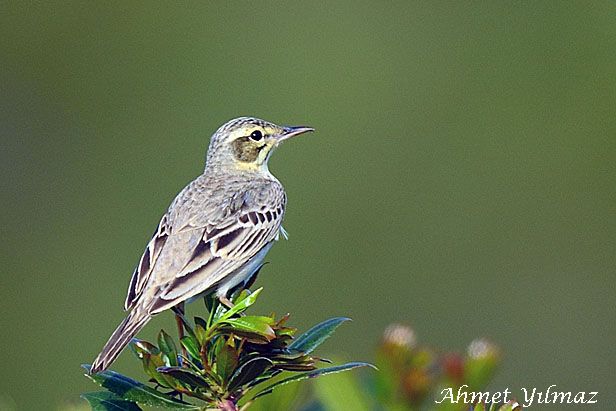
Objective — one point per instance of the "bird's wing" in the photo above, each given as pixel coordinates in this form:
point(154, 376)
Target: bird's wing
point(222, 249)
point(146, 264)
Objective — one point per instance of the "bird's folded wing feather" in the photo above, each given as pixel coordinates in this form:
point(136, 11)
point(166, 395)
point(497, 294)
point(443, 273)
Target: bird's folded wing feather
point(220, 251)
point(147, 261)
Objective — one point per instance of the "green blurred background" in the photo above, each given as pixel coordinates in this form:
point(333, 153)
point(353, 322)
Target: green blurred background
point(462, 179)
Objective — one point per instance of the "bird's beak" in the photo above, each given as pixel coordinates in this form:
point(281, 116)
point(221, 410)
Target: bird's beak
point(293, 131)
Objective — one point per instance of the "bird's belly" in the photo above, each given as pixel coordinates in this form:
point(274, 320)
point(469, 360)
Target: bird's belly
point(244, 273)
point(240, 275)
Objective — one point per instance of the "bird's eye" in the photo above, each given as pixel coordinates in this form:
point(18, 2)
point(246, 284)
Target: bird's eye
point(256, 135)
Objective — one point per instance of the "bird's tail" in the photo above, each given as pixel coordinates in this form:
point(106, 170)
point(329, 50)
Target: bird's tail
point(125, 332)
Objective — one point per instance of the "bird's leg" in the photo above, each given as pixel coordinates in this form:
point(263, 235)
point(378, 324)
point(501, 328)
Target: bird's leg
point(225, 301)
point(179, 311)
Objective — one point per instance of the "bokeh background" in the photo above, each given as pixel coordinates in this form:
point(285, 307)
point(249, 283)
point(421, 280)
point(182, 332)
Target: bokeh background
point(462, 178)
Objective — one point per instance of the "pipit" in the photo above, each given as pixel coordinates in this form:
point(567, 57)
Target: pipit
point(216, 232)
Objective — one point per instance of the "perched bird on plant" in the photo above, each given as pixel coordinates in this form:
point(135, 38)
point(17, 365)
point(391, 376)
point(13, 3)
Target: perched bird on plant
point(216, 232)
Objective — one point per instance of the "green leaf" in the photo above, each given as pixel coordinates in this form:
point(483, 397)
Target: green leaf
point(200, 330)
point(200, 321)
point(249, 336)
point(312, 374)
point(191, 345)
point(210, 301)
point(242, 305)
point(241, 295)
point(214, 308)
point(258, 319)
point(201, 334)
point(131, 390)
point(315, 336)
point(307, 365)
point(214, 347)
point(141, 347)
point(226, 361)
point(152, 358)
point(150, 364)
point(168, 348)
point(185, 375)
point(249, 371)
point(286, 355)
point(253, 324)
point(107, 401)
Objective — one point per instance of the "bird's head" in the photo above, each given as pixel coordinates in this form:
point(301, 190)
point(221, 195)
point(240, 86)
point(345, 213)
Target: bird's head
point(246, 143)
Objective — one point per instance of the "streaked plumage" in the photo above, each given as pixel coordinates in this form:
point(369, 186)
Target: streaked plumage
point(216, 232)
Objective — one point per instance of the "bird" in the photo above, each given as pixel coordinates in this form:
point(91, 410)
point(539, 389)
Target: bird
point(215, 234)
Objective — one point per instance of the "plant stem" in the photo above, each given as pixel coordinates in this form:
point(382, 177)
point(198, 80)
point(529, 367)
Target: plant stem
point(227, 405)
